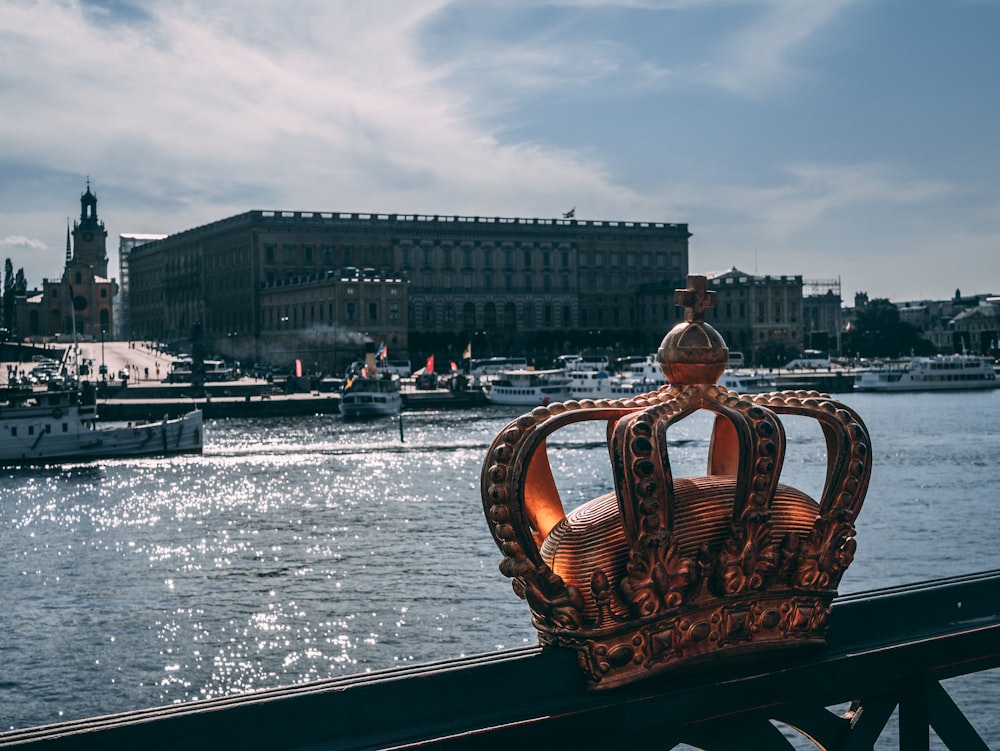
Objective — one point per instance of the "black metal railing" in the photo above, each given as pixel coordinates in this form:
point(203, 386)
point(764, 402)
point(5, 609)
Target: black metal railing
point(887, 654)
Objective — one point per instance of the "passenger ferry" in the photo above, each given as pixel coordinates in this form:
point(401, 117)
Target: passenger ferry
point(371, 397)
point(529, 388)
point(43, 426)
point(371, 392)
point(938, 373)
point(745, 381)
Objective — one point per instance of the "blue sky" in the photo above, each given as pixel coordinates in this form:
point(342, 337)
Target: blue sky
point(846, 138)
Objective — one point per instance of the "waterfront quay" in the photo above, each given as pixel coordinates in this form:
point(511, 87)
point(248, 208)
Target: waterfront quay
point(147, 396)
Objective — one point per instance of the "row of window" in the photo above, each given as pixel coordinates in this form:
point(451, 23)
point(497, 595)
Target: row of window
point(347, 255)
point(352, 313)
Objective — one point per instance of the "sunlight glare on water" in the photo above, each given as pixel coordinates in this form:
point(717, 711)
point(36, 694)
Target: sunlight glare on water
point(306, 548)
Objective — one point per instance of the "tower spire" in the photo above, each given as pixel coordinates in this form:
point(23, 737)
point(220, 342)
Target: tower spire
point(69, 252)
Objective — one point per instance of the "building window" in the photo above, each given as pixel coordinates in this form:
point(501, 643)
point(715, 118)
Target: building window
point(308, 251)
point(289, 253)
point(394, 311)
point(350, 311)
point(328, 255)
point(527, 280)
point(268, 254)
point(372, 311)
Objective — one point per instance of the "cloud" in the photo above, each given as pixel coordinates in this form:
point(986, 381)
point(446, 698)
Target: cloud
point(755, 60)
point(22, 242)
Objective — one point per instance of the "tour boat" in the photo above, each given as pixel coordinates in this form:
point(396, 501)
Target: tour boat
point(40, 426)
point(744, 381)
point(938, 373)
point(529, 388)
point(365, 396)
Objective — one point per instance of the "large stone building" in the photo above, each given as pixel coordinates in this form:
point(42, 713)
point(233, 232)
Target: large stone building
point(81, 301)
point(760, 316)
point(510, 286)
point(126, 242)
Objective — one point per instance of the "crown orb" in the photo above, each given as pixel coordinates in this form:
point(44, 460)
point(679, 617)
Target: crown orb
point(692, 353)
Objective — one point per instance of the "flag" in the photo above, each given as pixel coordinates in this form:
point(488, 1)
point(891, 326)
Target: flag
point(381, 353)
point(468, 352)
point(569, 214)
point(454, 367)
point(298, 368)
point(429, 367)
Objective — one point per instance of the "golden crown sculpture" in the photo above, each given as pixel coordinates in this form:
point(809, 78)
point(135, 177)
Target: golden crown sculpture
point(671, 572)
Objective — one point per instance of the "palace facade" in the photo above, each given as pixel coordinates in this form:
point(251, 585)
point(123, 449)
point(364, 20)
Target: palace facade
point(265, 283)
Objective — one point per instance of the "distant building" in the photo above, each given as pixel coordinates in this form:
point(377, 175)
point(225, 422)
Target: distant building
point(126, 242)
point(822, 319)
point(760, 316)
point(81, 302)
point(977, 329)
point(534, 287)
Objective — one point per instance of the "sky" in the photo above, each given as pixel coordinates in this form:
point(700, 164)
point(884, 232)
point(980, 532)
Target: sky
point(856, 140)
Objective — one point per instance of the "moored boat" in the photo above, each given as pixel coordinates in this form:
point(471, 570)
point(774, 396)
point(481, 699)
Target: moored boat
point(40, 426)
point(745, 381)
point(371, 396)
point(529, 388)
point(370, 392)
point(937, 373)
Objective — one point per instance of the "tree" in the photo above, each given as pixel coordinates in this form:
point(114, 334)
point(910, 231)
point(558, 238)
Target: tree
point(878, 332)
point(7, 306)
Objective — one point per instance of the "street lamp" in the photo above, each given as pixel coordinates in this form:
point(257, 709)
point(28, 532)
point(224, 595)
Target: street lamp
point(104, 368)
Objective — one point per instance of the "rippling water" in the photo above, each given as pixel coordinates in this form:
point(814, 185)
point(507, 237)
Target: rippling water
point(297, 549)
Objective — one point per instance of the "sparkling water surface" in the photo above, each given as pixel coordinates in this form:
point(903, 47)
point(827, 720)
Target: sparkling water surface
point(307, 548)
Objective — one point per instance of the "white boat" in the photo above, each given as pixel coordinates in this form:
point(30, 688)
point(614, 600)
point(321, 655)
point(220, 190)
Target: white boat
point(938, 373)
point(40, 426)
point(746, 381)
point(376, 396)
point(529, 388)
point(598, 384)
point(642, 374)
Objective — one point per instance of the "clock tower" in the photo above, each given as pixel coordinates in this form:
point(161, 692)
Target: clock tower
point(90, 237)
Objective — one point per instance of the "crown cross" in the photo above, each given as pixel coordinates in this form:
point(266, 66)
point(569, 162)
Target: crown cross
point(695, 298)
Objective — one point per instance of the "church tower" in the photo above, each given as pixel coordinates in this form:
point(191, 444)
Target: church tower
point(90, 237)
